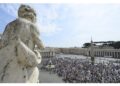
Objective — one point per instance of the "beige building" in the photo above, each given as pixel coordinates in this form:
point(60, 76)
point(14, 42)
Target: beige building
point(48, 53)
point(98, 52)
point(115, 53)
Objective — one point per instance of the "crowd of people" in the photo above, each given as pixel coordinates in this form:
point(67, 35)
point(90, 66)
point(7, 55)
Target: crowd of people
point(82, 71)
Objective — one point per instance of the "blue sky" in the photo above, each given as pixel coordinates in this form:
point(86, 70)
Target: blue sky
point(70, 25)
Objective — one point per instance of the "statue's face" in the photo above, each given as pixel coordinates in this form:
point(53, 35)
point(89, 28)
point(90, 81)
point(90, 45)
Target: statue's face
point(27, 12)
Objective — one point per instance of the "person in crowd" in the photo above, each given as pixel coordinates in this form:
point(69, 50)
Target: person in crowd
point(81, 71)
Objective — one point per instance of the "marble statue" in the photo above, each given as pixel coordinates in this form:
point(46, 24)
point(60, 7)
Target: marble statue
point(18, 55)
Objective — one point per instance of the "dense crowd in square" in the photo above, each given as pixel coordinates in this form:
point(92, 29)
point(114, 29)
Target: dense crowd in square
point(82, 71)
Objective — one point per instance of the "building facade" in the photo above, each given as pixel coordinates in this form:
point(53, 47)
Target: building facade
point(48, 53)
point(98, 52)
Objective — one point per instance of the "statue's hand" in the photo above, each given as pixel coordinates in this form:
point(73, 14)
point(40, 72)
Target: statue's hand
point(38, 55)
point(41, 47)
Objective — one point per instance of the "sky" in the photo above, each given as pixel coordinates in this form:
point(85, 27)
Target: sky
point(70, 25)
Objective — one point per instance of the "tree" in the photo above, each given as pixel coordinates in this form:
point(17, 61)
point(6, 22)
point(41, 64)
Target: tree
point(116, 45)
point(86, 45)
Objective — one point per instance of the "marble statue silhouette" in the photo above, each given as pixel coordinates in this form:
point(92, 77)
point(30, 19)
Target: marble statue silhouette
point(18, 55)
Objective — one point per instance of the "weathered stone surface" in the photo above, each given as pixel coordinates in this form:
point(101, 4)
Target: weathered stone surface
point(18, 57)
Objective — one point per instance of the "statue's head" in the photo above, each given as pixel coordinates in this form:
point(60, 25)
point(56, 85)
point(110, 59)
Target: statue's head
point(27, 12)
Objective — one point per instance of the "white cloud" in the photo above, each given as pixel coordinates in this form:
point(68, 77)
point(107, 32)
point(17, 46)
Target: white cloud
point(99, 21)
point(47, 17)
point(51, 13)
point(49, 29)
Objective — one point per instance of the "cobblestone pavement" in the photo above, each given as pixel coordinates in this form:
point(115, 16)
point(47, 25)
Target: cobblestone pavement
point(47, 77)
